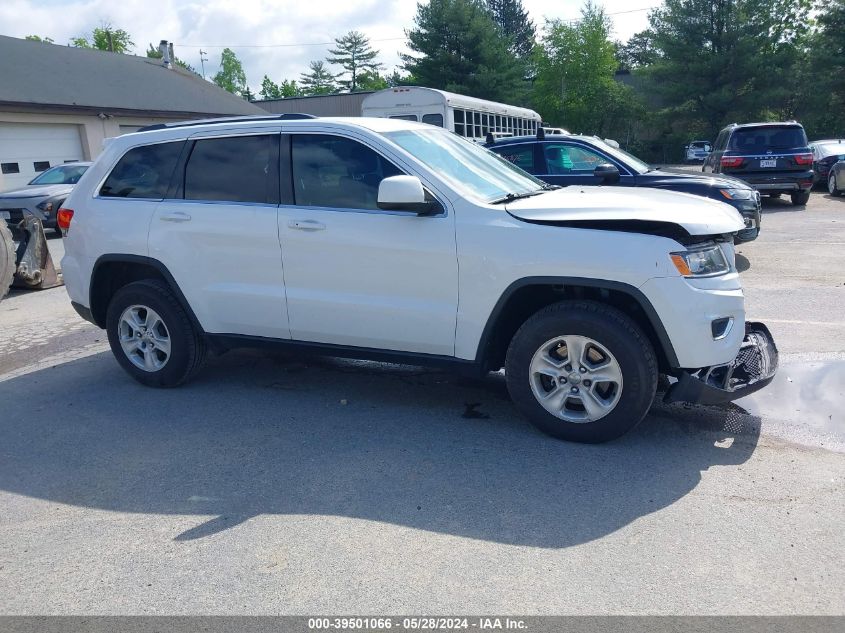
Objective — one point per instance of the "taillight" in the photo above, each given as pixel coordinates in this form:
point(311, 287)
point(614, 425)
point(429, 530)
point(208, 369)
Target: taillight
point(732, 161)
point(803, 159)
point(63, 218)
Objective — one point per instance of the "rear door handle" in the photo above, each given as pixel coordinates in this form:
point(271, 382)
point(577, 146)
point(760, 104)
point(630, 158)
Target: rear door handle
point(306, 225)
point(176, 216)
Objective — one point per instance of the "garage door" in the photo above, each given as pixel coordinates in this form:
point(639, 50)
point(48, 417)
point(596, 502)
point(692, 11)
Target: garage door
point(27, 149)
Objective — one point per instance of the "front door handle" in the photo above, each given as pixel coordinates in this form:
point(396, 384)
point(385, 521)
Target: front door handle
point(306, 225)
point(176, 216)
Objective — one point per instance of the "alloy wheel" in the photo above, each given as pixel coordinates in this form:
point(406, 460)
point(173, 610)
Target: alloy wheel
point(144, 338)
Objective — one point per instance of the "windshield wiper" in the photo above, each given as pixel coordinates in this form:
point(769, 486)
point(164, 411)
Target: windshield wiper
point(510, 197)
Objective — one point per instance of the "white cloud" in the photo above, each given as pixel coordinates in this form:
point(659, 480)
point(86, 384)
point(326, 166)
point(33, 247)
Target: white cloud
point(253, 27)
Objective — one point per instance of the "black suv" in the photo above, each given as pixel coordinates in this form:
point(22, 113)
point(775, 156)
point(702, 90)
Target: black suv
point(774, 158)
point(570, 159)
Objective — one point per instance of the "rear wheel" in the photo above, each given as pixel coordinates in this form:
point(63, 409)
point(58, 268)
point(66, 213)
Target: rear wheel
point(800, 198)
point(152, 336)
point(832, 185)
point(581, 371)
point(7, 258)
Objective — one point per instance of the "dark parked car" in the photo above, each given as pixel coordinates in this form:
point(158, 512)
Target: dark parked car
point(774, 158)
point(567, 159)
point(836, 178)
point(43, 195)
point(825, 153)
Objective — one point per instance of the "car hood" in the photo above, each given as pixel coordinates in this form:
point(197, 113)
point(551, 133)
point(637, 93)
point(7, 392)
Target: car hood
point(37, 191)
point(668, 175)
point(696, 215)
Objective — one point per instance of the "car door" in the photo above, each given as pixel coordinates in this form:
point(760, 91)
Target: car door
point(570, 163)
point(217, 233)
point(356, 275)
point(713, 160)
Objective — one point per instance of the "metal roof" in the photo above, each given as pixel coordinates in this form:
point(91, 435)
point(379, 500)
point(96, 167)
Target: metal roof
point(35, 74)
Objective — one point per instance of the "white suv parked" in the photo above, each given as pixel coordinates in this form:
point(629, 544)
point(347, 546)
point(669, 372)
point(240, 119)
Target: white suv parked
point(397, 241)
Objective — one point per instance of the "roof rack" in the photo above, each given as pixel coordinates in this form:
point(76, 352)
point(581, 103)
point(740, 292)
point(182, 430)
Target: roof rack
point(288, 116)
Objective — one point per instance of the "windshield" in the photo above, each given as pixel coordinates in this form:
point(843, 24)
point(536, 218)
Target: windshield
point(62, 175)
point(760, 139)
point(466, 166)
point(624, 157)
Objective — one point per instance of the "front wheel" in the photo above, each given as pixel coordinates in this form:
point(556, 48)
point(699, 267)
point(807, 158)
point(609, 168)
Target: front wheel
point(800, 198)
point(832, 186)
point(581, 371)
point(151, 335)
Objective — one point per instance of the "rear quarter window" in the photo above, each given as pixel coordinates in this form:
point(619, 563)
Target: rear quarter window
point(143, 172)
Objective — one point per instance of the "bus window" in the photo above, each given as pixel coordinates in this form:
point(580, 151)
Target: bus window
point(477, 118)
point(405, 117)
point(433, 119)
point(459, 123)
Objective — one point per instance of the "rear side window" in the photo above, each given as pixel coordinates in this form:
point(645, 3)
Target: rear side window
point(433, 119)
point(520, 155)
point(775, 137)
point(143, 172)
point(335, 172)
point(233, 169)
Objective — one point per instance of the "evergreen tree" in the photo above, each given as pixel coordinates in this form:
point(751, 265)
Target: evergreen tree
point(457, 47)
point(269, 89)
point(231, 76)
point(719, 61)
point(513, 22)
point(319, 81)
point(354, 55)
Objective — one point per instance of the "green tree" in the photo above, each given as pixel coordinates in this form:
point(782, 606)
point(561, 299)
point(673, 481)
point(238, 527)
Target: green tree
point(105, 38)
point(154, 53)
point(290, 88)
point(231, 76)
point(513, 22)
point(270, 89)
point(38, 38)
point(575, 85)
point(319, 81)
point(354, 54)
point(398, 79)
point(371, 80)
point(719, 61)
point(456, 46)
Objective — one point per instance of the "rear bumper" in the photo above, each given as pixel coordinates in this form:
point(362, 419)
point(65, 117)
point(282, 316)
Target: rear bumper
point(777, 182)
point(753, 368)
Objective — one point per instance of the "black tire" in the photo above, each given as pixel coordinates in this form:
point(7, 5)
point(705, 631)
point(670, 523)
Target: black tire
point(610, 328)
point(187, 345)
point(747, 235)
point(7, 259)
point(833, 186)
point(800, 198)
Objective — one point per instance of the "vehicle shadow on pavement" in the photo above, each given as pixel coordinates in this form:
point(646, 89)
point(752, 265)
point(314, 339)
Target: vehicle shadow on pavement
point(266, 434)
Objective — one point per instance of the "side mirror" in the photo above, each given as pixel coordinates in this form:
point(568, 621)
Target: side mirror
point(608, 174)
point(405, 193)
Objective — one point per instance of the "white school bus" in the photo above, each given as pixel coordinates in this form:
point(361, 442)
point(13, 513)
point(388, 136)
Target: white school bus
point(466, 116)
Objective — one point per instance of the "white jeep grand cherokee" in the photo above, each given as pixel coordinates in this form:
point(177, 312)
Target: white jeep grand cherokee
point(395, 241)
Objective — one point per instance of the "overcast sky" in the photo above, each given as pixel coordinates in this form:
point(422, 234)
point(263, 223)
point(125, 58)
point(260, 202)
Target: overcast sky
point(277, 38)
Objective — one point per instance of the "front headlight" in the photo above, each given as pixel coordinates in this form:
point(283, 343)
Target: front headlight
point(737, 194)
point(701, 262)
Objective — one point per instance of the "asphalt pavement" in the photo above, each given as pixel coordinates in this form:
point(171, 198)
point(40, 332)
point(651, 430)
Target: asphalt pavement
point(272, 484)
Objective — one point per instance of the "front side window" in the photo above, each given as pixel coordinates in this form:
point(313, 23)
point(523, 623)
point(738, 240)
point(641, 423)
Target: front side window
point(233, 169)
point(143, 172)
point(61, 175)
point(567, 159)
point(465, 166)
point(336, 172)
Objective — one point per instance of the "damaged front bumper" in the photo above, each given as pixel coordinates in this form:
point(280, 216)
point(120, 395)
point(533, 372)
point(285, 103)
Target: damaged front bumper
point(753, 368)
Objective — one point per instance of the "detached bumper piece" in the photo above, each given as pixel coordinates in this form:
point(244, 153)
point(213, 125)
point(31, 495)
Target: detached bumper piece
point(753, 368)
point(35, 267)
